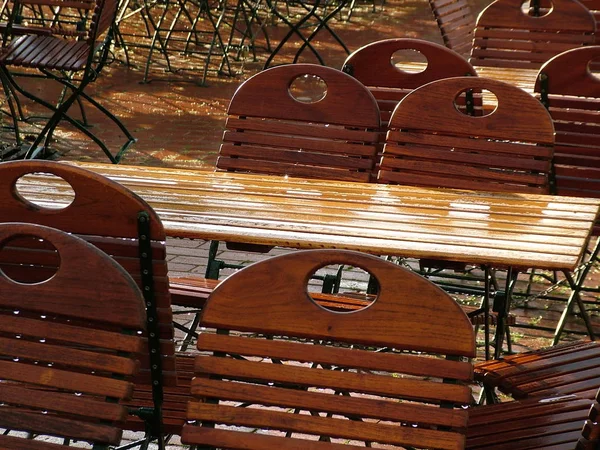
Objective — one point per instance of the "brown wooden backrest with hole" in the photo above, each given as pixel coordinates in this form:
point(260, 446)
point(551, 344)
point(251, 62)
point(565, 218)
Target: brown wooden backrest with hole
point(456, 23)
point(320, 373)
point(506, 36)
point(432, 143)
point(67, 344)
point(372, 66)
point(572, 94)
point(269, 131)
point(103, 213)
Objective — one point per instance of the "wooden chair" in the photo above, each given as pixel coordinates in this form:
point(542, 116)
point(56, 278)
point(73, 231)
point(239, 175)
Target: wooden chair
point(456, 23)
point(72, 56)
point(566, 369)
point(372, 65)
point(270, 131)
point(284, 363)
point(431, 143)
point(69, 343)
point(506, 36)
point(122, 225)
point(567, 87)
point(559, 423)
point(571, 93)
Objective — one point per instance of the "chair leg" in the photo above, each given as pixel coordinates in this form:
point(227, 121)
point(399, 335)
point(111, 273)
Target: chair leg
point(60, 112)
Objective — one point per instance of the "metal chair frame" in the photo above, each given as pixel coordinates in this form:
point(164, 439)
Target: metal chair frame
point(73, 81)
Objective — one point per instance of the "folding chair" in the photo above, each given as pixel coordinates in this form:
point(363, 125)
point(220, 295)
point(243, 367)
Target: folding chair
point(433, 142)
point(122, 225)
point(322, 379)
point(186, 35)
point(270, 129)
point(73, 56)
point(456, 23)
point(507, 36)
point(70, 342)
point(570, 92)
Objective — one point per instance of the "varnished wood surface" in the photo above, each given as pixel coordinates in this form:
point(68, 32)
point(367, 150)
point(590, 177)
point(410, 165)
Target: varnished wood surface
point(524, 230)
point(69, 344)
point(521, 78)
point(330, 372)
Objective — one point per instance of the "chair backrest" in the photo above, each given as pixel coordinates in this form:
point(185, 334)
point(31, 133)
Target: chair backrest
point(104, 16)
point(69, 343)
point(571, 92)
point(456, 23)
point(507, 36)
point(105, 214)
point(432, 143)
point(372, 65)
point(268, 130)
point(305, 370)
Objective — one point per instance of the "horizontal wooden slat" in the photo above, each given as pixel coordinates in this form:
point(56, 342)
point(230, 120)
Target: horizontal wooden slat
point(377, 384)
point(313, 401)
point(362, 359)
point(391, 434)
point(253, 441)
point(47, 376)
point(306, 144)
point(492, 146)
point(61, 355)
point(314, 130)
point(296, 157)
point(39, 423)
point(62, 402)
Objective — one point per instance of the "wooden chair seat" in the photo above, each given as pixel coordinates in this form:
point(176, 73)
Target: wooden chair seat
point(558, 423)
point(572, 368)
point(67, 42)
point(112, 225)
point(67, 358)
point(285, 355)
point(47, 52)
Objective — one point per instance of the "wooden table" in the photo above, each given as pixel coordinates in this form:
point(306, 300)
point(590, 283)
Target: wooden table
point(546, 232)
point(495, 230)
point(523, 78)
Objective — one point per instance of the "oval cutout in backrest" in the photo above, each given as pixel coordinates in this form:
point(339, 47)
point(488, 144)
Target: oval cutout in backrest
point(308, 88)
point(594, 68)
point(537, 8)
point(476, 102)
point(28, 259)
point(28, 189)
point(409, 61)
point(340, 288)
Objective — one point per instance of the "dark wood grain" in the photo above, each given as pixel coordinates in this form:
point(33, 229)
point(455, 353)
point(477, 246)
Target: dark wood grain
point(381, 391)
point(269, 131)
point(69, 343)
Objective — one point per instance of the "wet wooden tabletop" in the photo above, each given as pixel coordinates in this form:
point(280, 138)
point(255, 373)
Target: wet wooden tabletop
point(522, 78)
point(519, 230)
